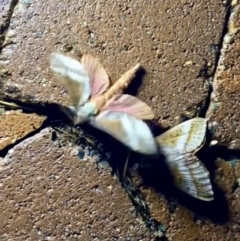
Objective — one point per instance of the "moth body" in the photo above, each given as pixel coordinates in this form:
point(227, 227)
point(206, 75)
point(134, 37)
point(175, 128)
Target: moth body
point(117, 88)
point(84, 112)
point(121, 84)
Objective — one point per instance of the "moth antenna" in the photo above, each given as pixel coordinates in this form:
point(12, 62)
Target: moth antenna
point(69, 112)
point(122, 83)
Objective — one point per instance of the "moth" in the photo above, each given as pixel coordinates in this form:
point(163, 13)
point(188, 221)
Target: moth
point(179, 146)
point(106, 108)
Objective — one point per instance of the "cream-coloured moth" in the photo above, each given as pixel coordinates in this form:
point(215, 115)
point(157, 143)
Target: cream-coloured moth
point(104, 107)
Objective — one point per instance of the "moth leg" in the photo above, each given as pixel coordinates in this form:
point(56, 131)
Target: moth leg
point(126, 165)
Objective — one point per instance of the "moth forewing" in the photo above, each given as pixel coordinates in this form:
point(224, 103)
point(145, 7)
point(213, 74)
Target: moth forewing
point(99, 79)
point(132, 132)
point(185, 137)
point(179, 145)
point(74, 77)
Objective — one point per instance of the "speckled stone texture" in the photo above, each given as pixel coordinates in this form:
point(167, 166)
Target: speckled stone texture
point(221, 220)
point(46, 192)
point(170, 39)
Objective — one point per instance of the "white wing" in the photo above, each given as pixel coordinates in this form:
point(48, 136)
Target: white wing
point(127, 129)
point(178, 146)
point(185, 137)
point(74, 77)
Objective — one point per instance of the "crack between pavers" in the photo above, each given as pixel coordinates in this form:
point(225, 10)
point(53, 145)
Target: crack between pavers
point(4, 28)
point(52, 112)
point(142, 209)
point(210, 78)
point(135, 196)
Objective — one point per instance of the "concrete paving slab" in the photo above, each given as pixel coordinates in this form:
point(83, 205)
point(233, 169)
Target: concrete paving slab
point(48, 193)
point(224, 112)
point(174, 42)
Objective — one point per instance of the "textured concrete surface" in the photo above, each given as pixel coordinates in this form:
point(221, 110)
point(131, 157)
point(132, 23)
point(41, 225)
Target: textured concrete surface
point(47, 193)
point(171, 40)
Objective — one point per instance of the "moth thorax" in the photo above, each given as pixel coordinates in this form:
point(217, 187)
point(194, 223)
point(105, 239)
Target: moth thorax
point(84, 112)
point(99, 101)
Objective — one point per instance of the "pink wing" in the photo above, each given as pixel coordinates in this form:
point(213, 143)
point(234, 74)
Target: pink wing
point(129, 105)
point(99, 80)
